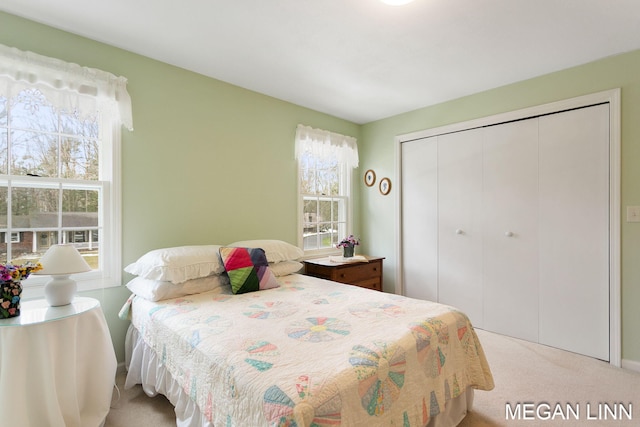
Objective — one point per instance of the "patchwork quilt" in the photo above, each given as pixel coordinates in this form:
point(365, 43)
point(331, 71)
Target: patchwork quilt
point(314, 353)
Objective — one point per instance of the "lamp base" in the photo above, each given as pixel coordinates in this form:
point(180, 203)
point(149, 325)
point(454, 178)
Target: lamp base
point(60, 290)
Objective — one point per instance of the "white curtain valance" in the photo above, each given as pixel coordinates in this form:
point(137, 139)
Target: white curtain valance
point(326, 145)
point(66, 86)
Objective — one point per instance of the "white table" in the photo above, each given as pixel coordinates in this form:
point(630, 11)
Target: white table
point(57, 365)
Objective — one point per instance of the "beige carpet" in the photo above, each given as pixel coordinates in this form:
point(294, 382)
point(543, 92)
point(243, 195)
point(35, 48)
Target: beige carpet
point(533, 373)
point(523, 372)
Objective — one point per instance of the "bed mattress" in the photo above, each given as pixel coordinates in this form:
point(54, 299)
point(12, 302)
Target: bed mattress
point(309, 353)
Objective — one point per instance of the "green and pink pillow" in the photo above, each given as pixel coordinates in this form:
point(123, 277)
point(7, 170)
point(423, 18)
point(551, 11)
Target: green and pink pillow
point(248, 269)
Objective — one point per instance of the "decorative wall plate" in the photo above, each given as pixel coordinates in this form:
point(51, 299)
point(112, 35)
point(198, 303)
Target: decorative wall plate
point(385, 186)
point(370, 178)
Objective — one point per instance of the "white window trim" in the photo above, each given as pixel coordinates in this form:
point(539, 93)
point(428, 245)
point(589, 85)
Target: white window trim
point(85, 90)
point(324, 143)
point(315, 253)
point(110, 220)
point(8, 237)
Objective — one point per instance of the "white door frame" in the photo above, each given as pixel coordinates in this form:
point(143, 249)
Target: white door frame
point(612, 97)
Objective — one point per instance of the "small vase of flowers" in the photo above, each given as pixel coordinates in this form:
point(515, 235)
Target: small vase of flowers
point(348, 245)
point(11, 277)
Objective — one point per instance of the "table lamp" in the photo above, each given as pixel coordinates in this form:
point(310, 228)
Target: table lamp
point(61, 261)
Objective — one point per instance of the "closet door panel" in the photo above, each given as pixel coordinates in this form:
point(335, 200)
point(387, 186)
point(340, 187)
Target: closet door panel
point(510, 229)
point(574, 231)
point(459, 225)
point(420, 218)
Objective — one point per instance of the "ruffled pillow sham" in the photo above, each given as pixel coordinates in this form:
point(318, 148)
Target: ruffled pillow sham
point(178, 264)
point(158, 290)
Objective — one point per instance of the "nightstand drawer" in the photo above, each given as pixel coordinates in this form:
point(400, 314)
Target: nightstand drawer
point(363, 274)
point(319, 271)
point(359, 272)
point(374, 284)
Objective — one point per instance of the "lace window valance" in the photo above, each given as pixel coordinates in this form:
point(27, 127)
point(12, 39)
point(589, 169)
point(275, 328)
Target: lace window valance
point(326, 145)
point(67, 86)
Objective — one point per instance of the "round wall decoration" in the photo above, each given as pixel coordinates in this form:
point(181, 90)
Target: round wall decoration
point(370, 178)
point(385, 186)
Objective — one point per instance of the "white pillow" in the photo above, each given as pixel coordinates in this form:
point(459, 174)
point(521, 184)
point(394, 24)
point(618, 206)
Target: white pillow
point(156, 290)
point(178, 264)
point(284, 268)
point(276, 250)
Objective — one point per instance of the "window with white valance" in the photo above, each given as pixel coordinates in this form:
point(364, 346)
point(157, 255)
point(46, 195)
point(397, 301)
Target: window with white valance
point(326, 146)
point(60, 131)
point(325, 163)
point(67, 86)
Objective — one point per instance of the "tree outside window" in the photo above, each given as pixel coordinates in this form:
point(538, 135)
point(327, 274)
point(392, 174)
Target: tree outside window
point(325, 162)
point(325, 198)
point(50, 190)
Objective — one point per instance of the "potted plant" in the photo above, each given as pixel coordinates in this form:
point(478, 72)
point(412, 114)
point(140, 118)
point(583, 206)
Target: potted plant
point(11, 277)
point(348, 245)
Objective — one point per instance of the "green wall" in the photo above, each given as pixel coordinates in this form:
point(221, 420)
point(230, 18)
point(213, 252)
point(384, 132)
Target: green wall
point(378, 214)
point(207, 163)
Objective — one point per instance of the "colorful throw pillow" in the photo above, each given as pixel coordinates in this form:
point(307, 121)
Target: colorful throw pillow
point(248, 269)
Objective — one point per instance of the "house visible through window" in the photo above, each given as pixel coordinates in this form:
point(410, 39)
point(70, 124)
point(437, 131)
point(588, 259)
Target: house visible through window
point(49, 186)
point(59, 162)
point(325, 162)
point(15, 237)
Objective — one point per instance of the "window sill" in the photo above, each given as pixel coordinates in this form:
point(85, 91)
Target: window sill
point(320, 253)
point(35, 289)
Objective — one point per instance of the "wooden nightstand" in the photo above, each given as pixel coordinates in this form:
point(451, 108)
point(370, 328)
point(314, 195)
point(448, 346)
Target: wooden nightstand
point(363, 274)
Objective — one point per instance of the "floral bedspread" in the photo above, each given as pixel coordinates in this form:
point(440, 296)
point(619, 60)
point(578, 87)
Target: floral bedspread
point(314, 353)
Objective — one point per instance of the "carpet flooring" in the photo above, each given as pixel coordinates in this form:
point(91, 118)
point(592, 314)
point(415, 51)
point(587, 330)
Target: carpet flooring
point(536, 385)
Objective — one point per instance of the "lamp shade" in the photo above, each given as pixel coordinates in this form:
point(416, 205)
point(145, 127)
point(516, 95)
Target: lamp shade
point(62, 259)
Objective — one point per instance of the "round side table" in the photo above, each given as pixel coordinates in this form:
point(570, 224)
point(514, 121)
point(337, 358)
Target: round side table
point(57, 365)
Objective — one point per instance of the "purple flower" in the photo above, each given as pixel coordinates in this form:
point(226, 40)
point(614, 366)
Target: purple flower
point(348, 242)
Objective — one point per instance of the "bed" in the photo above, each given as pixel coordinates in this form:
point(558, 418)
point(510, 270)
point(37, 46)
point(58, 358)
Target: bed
point(309, 352)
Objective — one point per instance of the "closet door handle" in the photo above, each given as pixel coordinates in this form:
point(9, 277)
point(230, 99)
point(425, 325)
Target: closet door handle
point(508, 233)
point(459, 231)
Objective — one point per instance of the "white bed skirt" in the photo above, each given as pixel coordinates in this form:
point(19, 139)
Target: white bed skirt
point(143, 367)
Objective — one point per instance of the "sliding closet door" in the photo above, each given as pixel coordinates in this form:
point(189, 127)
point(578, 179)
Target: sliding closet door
point(510, 226)
point(460, 222)
point(574, 233)
point(420, 218)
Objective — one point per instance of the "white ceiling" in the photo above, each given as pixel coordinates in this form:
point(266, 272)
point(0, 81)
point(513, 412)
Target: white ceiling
point(360, 60)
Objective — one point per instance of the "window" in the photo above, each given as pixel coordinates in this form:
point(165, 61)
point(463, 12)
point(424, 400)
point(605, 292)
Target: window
point(15, 237)
point(324, 189)
point(59, 163)
point(325, 162)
